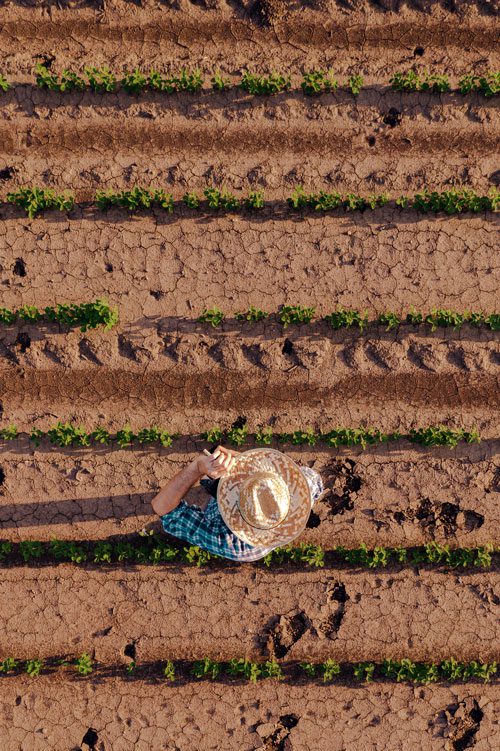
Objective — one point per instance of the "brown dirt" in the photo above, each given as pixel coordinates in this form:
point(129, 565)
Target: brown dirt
point(159, 366)
point(58, 714)
point(176, 613)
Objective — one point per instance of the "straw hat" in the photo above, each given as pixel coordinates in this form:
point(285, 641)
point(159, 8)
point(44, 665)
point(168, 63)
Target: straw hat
point(264, 499)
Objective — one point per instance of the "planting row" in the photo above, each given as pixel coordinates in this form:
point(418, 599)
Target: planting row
point(154, 550)
point(349, 317)
point(314, 82)
point(67, 434)
point(88, 315)
point(404, 670)
point(455, 201)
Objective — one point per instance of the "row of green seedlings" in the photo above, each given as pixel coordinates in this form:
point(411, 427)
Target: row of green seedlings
point(351, 317)
point(455, 201)
point(87, 315)
point(156, 551)
point(314, 82)
point(404, 670)
point(67, 434)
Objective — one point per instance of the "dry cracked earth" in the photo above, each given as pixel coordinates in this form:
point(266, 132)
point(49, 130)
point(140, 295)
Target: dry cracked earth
point(159, 366)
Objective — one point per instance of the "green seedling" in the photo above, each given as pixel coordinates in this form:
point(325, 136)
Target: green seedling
point(86, 315)
point(240, 667)
point(103, 553)
point(4, 84)
point(192, 200)
point(169, 671)
point(309, 669)
point(125, 437)
point(29, 314)
point(403, 202)
point(345, 318)
point(101, 80)
point(220, 82)
point(329, 669)
point(214, 435)
point(389, 320)
point(356, 437)
point(409, 81)
point(317, 82)
point(363, 671)
point(355, 84)
point(101, 435)
point(197, 555)
point(66, 434)
point(217, 199)
point(262, 85)
point(7, 316)
point(264, 436)
point(154, 435)
point(254, 200)
point(8, 664)
point(252, 314)
point(134, 82)
point(84, 664)
point(488, 85)
point(130, 668)
point(237, 436)
point(435, 82)
point(9, 433)
point(124, 551)
point(136, 199)
point(296, 314)
point(30, 549)
point(352, 202)
point(206, 668)
point(67, 550)
point(5, 549)
point(439, 435)
point(213, 316)
point(35, 200)
point(36, 435)
point(33, 668)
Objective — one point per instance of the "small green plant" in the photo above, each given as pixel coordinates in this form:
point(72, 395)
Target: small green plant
point(435, 82)
point(5, 549)
point(296, 314)
point(329, 670)
point(355, 83)
point(240, 667)
point(264, 436)
point(9, 433)
point(403, 202)
point(4, 84)
point(169, 671)
point(29, 314)
point(30, 549)
point(220, 82)
point(439, 435)
point(389, 320)
point(136, 199)
point(101, 80)
point(488, 85)
point(130, 667)
point(363, 671)
point(66, 434)
point(84, 664)
point(214, 435)
point(33, 668)
point(7, 316)
point(237, 435)
point(103, 553)
point(36, 200)
point(309, 669)
point(252, 314)
point(134, 82)
point(192, 200)
point(271, 84)
point(345, 318)
point(213, 316)
point(254, 200)
point(86, 315)
point(221, 199)
point(409, 81)
point(8, 664)
point(197, 555)
point(316, 82)
point(125, 437)
point(206, 668)
point(67, 550)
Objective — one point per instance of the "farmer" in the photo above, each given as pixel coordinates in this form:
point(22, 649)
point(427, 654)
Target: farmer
point(260, 500)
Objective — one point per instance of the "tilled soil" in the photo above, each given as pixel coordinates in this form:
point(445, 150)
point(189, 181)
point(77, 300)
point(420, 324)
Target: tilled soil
point(161, 367)
point(177, 612)
point(381, 496)
point(61, 714)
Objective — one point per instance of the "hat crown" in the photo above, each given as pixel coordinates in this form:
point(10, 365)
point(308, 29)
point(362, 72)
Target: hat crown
point(264, 500)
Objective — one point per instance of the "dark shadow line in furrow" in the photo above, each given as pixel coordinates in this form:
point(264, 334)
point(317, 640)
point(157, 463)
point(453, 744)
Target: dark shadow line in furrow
point(188, 390)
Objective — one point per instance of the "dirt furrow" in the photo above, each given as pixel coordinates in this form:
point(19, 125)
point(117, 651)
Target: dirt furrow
point(161, 266)
point(184, 613)
point(375, 39)
point(144, 716)
point(383, 495)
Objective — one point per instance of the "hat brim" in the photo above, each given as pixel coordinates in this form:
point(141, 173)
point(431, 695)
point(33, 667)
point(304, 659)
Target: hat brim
point(228, 492)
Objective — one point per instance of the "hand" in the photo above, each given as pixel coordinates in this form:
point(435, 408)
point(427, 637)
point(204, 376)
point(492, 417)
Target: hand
point(217, 464)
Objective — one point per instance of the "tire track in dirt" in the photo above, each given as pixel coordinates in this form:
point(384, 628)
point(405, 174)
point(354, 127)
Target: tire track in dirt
point(381, 496)
point(307, 717)
point(423, 615)
point(162, 266)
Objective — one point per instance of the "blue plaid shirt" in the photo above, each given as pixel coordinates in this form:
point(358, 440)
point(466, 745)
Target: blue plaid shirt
point(207, 529)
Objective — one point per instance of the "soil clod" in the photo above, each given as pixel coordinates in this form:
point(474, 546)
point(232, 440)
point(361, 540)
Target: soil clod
point(278, 739)
point(464, 720)
point(392, 118)
point(23, 341)
point(7, 173)
point(330, 626)
point(2, 476)
point(418, 51)
point(448, 517)
point(90, 739)
point(342, 485)
point(284, 633)
point(19, 267)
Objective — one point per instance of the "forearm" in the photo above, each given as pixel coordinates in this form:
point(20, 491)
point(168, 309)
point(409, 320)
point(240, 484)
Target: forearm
point(171, 495)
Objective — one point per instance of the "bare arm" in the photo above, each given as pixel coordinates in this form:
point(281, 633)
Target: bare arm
point(214, 466)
